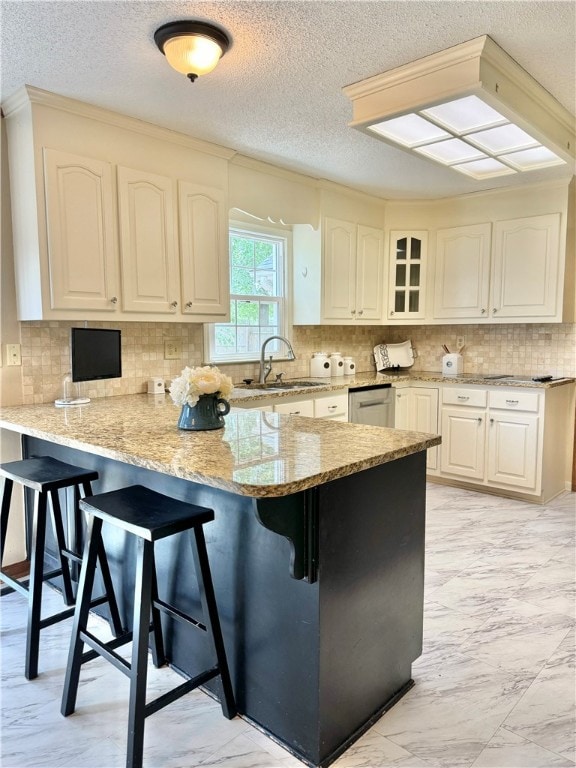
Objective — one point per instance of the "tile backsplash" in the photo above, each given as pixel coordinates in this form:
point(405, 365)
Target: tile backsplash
point(512, 349)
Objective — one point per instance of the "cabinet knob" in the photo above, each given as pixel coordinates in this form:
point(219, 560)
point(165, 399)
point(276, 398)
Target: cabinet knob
point(494, 311)
point(352, 311)
point(114, 300)
point(479, 419)
point(361, 312)
point(174, 304)
point(491, 421)
point(392, 313)
point(482, 311)
point(188, 305)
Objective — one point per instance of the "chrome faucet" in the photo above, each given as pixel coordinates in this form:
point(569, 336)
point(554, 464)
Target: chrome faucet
point(265, 368)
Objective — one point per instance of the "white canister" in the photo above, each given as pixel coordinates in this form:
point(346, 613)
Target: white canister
point(319, 365)
point(452, 365)
point(349, 366)
point(336, 364)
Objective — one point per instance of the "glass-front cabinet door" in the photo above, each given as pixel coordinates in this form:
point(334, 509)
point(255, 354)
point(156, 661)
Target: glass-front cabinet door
point(408, 262)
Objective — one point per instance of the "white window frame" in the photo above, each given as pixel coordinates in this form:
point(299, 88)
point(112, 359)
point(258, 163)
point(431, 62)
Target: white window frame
point(284, 302)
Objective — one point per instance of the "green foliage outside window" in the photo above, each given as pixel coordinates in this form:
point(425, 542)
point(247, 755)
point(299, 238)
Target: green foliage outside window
point(256, 296)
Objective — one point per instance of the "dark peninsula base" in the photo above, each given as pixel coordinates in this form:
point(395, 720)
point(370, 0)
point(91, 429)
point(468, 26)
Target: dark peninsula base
point(316, 657)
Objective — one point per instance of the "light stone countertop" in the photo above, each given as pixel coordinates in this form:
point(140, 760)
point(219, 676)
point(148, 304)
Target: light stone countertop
point(371, 378)
point(256, 454)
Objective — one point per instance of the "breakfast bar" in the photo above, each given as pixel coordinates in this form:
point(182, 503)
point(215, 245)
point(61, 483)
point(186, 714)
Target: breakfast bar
point(317, 551)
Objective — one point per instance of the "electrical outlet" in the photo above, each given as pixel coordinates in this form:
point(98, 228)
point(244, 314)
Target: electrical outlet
point(172, 349)
point(460, 342)
point(13, 354)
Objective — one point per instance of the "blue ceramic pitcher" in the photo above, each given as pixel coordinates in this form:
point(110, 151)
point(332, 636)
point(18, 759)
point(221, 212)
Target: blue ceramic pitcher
point(208, 413)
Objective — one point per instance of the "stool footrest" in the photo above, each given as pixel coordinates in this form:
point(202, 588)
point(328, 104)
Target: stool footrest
point(180, 690)
point(72, 556)
point(106, 650)
point(56, 617)
point(176, 614)
point(13, 585)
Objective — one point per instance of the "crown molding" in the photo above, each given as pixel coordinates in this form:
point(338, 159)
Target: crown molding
point(28, 94)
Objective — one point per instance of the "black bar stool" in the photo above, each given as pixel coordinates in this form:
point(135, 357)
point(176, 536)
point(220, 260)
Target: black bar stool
point(149, 516)
point(45, 476)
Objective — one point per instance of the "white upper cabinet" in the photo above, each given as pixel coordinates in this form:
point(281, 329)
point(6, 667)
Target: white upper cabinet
point(82, 249)
point(407, 276)
point(149, 260)
point(369, 273)
point(462, 272)
point(203, 219)
point(96, 217)
point(353, 271)
point(515, 274)
point(338, 273)
point(526, 266)
point(339, 270)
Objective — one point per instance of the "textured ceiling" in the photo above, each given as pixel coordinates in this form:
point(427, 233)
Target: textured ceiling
point(276, 95)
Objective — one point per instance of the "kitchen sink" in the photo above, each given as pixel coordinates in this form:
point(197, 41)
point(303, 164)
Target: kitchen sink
point(283, 385)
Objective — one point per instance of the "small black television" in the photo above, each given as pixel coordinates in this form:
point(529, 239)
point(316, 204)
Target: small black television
point(95, 353)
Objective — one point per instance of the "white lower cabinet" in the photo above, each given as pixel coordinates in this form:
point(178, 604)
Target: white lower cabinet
point(416, 409)
point(463, 442)
point(493, 437)
point(324, 405)
point(329, 406)
point(512, 449)
point(297, 408)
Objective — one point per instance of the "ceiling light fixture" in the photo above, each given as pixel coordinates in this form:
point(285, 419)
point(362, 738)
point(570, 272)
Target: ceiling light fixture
point(471, 108)
point(192, 47)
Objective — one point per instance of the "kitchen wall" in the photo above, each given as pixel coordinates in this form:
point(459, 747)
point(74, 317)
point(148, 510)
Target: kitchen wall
point(518, 349)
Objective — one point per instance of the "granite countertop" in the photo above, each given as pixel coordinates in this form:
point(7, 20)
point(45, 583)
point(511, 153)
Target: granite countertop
point(256, 454)
point(370, 378)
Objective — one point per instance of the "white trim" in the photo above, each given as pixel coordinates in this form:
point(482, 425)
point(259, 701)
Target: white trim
point(285, 328)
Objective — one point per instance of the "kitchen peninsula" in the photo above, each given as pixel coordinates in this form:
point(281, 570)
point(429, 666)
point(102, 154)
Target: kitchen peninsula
point(317, 550)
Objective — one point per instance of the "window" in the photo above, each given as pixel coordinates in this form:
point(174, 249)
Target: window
point(258, 259)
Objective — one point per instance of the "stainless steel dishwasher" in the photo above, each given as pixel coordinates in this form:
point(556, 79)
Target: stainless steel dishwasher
point(372, 405)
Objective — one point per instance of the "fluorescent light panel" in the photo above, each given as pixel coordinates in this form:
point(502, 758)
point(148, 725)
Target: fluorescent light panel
point(470, 136)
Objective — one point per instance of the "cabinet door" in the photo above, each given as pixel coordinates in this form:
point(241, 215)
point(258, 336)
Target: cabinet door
point(82, 251)
point(150, 280)
point(463, 442)
point(462, 271)
point(408, 262)
point(369, 273)
point(526, 267)
point(402, 408)
point(339, 270)
point(513, 449)
point(204, 250)
point(424, 411)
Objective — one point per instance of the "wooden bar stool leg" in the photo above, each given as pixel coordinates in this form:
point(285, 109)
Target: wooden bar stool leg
point(93, 541)
point(139, 666)
point(208, 599)
point(61, 545)
point(35, 585)
point(158, 654)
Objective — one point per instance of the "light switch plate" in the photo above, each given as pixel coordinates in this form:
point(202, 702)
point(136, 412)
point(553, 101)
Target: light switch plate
point(172, 349)
point(13, 354)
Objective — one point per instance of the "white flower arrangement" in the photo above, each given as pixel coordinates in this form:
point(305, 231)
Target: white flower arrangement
point(204, 380)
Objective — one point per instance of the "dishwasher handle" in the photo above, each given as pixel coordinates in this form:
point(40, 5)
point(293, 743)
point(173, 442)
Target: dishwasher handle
point(370, 403)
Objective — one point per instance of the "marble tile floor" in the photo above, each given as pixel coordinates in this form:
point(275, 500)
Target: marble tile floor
point(495, 685)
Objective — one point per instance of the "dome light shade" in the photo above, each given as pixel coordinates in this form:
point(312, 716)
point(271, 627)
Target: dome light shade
point(192, 47)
